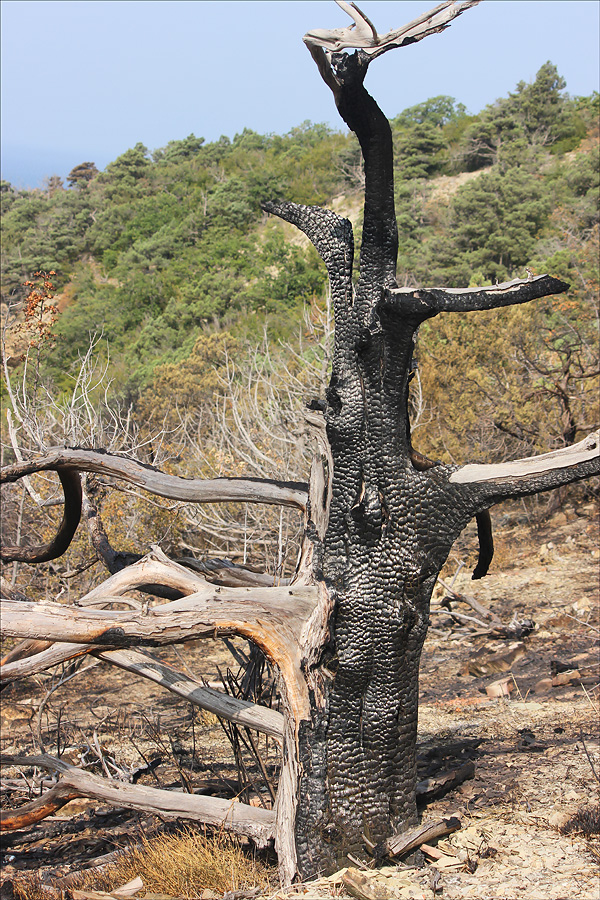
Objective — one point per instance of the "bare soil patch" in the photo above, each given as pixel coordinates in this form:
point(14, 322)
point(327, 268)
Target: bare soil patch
point(536, 748)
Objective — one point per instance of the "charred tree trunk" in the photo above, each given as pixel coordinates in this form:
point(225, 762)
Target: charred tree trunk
point(392, 518)
point(346, 634)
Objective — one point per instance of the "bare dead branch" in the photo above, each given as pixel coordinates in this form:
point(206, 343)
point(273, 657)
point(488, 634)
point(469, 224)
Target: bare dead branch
point(31, 813)
point(226, 572)
point(24, 650)
point(189, 490)
point(271, 617)
point(536, 473)
point(431, 788)
point(52, 655)
point(363, 35)
point(401, 844)
point(242, 712)
point(10, 591)
point(227, 814)
point(473, 602)
point(486, 544)
point(151, 568)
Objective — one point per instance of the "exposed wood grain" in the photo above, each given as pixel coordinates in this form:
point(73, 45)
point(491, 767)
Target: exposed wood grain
point(584, 451)
point(30, 813)
point(53, 655)
point(363, 35)
point(271, 617)
point(363, 888)
point(242, 712)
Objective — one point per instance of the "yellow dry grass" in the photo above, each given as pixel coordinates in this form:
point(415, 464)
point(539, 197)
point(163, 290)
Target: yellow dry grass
point(185, 865)
point(182, 865)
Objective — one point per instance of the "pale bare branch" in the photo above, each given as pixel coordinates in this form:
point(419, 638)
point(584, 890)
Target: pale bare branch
point(227, 814)
point(242, 712)
point(585, 451)
point(521, 477)
point(52, 655)
point(192, 490)
point(273, 618)
point(363, 35)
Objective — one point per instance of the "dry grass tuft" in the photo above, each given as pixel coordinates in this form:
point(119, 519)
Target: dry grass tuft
point(185, 865)
point(29, 887)
point(178, 865)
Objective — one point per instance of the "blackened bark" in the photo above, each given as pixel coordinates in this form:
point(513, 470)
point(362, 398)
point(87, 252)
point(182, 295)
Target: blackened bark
point(393, 515)
point(71, 485)
point(391, 526)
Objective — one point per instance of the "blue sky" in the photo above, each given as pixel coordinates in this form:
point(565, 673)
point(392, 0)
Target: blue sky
point(86, 79)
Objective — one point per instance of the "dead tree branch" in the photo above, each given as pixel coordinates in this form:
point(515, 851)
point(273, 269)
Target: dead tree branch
point(227, 814)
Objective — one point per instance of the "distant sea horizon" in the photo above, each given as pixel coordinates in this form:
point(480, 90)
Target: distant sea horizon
point(27, 168)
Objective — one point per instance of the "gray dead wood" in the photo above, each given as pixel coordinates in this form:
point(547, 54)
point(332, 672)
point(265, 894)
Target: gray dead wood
point(473, 602)
point(188, 490)
point(363, 35)
point(242, 712)
point(401, 844)
point(227, 814)
point(273, 618)
point(521, 470)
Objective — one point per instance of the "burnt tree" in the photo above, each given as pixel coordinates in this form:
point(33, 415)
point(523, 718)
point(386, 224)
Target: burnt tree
point(346, 634)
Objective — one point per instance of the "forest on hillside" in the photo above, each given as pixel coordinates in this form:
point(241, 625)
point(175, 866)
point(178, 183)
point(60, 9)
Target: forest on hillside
point(170, 316)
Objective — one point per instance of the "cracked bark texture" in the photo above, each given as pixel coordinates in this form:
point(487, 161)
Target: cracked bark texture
point(392, 517)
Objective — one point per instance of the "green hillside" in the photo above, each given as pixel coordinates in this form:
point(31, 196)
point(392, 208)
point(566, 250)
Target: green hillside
point(168, 256)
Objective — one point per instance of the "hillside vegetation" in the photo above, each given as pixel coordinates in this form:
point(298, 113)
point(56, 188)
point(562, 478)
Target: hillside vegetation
point(191, 296)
